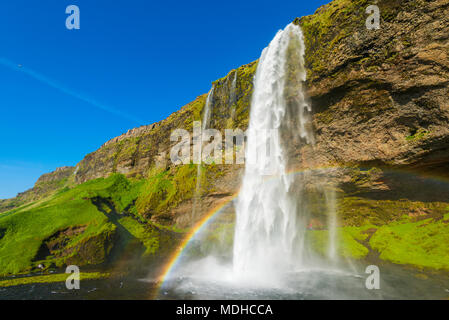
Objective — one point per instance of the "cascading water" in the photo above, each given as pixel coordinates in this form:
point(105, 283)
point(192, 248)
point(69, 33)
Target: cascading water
point(269, 230)
point(233, 96)
point(198, 152)
point(208, 108)
point(274, 208)
point(332, 225)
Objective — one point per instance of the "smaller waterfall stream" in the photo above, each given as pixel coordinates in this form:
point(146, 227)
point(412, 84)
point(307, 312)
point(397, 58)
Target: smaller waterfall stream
point(208, 108)
point(198, 152)
point(233, 95)
point(332, 225)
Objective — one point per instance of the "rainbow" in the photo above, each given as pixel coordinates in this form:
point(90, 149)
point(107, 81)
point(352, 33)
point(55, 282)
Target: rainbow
point(199, 226)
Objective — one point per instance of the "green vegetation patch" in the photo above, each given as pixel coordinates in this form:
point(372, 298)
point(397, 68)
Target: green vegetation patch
point(358, 211)
point(422, 244)
point(419, 135)
point(324, 30)
point(53, 278)
point(165, 189)
point(27, 228)
point(348, 244)
point(147, 234)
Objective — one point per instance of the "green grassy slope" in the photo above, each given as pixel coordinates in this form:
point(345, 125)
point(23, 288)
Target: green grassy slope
point(87, 223)
point(25, 229)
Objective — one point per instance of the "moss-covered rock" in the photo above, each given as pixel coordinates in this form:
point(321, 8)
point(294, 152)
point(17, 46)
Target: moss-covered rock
point(379, 95)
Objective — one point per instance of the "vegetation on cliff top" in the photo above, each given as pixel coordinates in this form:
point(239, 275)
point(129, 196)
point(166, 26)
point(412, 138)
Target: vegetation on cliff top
point(326, 30)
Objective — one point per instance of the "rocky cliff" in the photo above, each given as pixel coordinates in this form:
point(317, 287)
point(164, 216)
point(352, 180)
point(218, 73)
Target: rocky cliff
point(380, 101)
point(380, 96)
point(135, 152)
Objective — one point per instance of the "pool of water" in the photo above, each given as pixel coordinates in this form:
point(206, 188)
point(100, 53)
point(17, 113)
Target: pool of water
point(315, 284)
point(395, 283)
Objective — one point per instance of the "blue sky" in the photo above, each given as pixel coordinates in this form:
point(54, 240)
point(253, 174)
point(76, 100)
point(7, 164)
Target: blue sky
point(63, 93)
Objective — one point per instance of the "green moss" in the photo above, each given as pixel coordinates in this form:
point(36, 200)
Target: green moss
point(419, 135)
point(400, 231)
point(196, 109)
point(446, 217)
point(334, 24)
point(164, 190)
point(145, 233)
point(324, 30)
point(422, 244)
point(231, 100)
point(128, 148)
point(348, 246)
point(91, 248)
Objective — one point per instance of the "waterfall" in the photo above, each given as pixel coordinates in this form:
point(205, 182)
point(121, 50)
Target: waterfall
point(208, 108)
point(233, 95)
point(269, 233)
point(285, 235)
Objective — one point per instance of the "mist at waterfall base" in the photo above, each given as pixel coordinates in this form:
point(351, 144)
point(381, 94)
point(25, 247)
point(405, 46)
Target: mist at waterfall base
point(266, 254)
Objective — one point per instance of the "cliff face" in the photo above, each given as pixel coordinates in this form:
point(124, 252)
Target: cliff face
point(380, 101)
point(380, 96)
point(137, 151)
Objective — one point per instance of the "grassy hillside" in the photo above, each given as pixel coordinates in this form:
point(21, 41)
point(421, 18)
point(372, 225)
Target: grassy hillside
point(92, 223)
point(80, 225)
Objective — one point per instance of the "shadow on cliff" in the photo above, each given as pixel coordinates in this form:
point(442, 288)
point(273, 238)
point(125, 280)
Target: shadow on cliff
point(397, 186)
point(128, 253)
